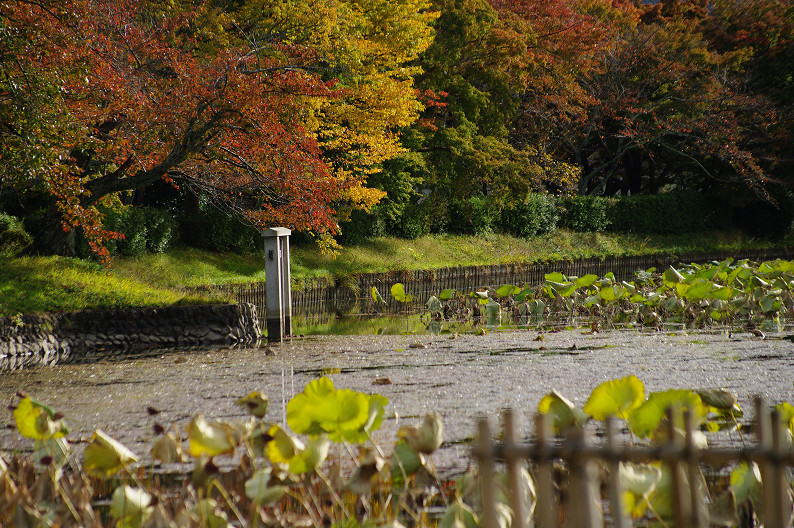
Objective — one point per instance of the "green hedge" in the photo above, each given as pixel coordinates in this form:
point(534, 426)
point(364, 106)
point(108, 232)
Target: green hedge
point(535, 216)
point(584, 213)
point(667, 213)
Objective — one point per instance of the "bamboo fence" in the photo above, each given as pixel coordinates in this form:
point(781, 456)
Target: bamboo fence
point(353, 293)
point(589, 503)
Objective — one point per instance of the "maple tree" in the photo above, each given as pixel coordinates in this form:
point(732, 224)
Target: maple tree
point(652, 104)
point(267, 106)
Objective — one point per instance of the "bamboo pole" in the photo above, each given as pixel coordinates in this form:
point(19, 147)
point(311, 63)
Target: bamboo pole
point(513, 471)
point(486, 460)
point(615, 496)
point(546, 508)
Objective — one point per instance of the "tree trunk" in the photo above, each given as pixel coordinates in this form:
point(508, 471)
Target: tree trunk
point(52, 239)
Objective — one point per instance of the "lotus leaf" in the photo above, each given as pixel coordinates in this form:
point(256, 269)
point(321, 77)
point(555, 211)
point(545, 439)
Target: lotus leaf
point(212, 438)
point(38, 421)
point(376, 410)
point(644, 419)
point(637, 481)
point(446, 294)
point(507, 289)
point(256, 403)
point(104, 456)
point(786, 412)
point(563, 412)
point(210, 515)
point(720, 400)
point(167, 449)
point(563, 289)
point(257, 488)
point(459, 515)
point(586, 281)
point(398, 292)
point(424, 438)
point(746, 482)
point(612, 293)
point(282, 447)
point(376, 296)
point(555, 277)
point(433, 304)
point(615, 398)
point(671, 277)
point(404, 462)
point(131, 506)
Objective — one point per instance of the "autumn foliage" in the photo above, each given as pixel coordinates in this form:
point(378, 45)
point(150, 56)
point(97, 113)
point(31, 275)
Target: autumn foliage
point(278, 110)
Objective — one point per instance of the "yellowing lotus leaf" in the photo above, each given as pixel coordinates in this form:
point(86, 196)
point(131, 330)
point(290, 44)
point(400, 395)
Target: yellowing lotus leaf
point(37, 421)
point(376, 410)
point(424, 438)
point(104, 456)
point(168, 449)
point(132, 506)
point(562, 411)
point(307, 410)
point(212, 438)
point(255, 403)
point(615, 398)
point(257, 488)
point(283, 447)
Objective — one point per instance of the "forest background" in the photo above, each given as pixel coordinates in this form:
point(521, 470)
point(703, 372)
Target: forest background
point(127, 125)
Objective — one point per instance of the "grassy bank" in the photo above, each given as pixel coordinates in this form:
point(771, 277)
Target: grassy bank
point(37, 284)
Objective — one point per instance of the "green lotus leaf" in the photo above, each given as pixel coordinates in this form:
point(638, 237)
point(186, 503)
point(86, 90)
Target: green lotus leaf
point(433, 304)
point(507, 289)
point(671, 276)
point(586, 281)
point(536, 307)
point(555, 277)
point(314, 454)
point(459, 515)
point(563, 289)
point(746, 482)
point(404, 462)
point(104, 456)
point(258, 488)
point(615, 398)
point(446, 294)
point(37, 421)
point(645, 418)
point(786, 412)
point(695, 290)
point(723, 293)
point(376, 296)
point(351, 411)
point(563, 412)
point(612, 293)
point(398, 292)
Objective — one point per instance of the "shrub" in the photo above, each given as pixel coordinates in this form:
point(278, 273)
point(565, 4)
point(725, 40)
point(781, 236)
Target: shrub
point(219, 231)
point(414, 222)
point(584, 213)
point(362, 226)
point(144, 228)
point(475, 216)
point(667, 213)
point(13, 237)
point(535, 216)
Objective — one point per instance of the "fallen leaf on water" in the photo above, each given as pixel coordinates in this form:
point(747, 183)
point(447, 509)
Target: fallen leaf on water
point(382, 381)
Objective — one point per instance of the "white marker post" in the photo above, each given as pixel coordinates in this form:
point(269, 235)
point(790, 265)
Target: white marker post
point(278, 292)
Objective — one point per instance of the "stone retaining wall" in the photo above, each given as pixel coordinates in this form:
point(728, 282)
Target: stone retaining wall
point(47, 339)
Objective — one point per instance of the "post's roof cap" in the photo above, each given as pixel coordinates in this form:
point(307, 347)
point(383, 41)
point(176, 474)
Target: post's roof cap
point(275, 232)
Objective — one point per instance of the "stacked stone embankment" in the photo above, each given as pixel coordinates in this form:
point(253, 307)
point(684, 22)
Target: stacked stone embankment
point(84, 336)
